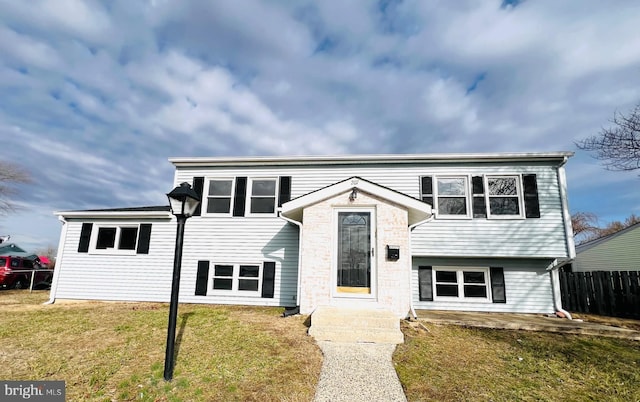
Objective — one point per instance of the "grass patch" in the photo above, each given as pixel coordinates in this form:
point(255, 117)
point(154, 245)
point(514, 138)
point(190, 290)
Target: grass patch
point(115, 351)
point(451, 363)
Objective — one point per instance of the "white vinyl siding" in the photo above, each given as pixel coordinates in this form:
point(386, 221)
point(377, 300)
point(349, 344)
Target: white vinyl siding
point(147, 277)
point(133, 277)
point(527, 286)
point(224, 238)
point(533, 237)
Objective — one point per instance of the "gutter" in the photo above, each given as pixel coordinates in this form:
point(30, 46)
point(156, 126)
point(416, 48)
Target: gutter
point(410, 229)
point(58, 267)
point(368, 159)
point(554, 267)
point(299, 225)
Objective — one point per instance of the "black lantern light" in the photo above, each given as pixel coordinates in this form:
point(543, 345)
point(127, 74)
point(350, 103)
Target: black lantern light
point(183, 201)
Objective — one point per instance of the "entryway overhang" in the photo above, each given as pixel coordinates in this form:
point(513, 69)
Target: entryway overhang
point(418, 211)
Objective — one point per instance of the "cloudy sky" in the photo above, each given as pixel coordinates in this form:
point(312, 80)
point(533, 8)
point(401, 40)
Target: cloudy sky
point(97, 95)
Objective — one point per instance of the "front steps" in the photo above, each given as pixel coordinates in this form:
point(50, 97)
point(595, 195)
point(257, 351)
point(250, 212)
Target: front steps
point(338, 324)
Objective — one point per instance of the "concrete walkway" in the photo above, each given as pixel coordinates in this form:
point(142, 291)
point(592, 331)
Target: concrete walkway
point(529, 322)
point(354, 372)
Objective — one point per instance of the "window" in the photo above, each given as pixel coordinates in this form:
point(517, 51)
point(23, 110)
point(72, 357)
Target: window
point(128, 238)
point(262, 199)
point(110, 238)
point(426, 190)
point(106, 238)
point(510, 196)
point(461, 283)
point(223, 277)
point(504, 196)
point(249, 277)
point(236, 278)
point(219, 196)
point(452, 196)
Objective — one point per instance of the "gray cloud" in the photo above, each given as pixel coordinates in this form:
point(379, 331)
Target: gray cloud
point(97, 95)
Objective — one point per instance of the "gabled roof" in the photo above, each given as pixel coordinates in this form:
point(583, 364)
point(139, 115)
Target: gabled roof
point(557, 157)
point(592, 243)
point(13, 250)
point(159, 211)
point(418, 210)
point(10, 248)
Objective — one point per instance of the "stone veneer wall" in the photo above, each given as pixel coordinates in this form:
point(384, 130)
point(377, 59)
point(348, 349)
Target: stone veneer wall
point(317, 257)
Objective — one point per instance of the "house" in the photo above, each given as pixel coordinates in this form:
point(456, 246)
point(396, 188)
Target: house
point(474, 232)
point(618, 251)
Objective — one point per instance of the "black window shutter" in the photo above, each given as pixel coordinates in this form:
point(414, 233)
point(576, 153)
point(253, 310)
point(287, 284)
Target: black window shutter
point(479, 204)
point(198, 184)
point(144, 238)
point(285, 190)
point(239, 196)
point(531, 203)
point(85, 236)
point(425, 287)
point(497, 285)
point(426, 187)
point(268, 278)
point(202, 277)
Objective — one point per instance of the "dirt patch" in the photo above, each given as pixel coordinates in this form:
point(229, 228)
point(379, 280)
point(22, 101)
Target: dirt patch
point(611, 321)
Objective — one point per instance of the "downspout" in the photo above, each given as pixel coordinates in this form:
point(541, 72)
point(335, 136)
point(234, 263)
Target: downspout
point(566, 216)
point(299, 225)
point(411, 227)
point(58, 266)
point(554, 267)
point(570, 243)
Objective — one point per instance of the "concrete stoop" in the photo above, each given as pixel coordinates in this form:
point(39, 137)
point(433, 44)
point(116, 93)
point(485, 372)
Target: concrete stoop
point(355, 325)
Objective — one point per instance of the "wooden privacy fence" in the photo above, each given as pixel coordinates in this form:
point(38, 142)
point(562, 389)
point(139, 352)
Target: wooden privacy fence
point(615, 293)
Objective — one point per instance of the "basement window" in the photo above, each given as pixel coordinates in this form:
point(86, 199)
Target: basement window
point(463, 284)
point(237, 278)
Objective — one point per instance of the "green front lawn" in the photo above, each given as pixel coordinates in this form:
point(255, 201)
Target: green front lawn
point(115, 351)
point(450, 363)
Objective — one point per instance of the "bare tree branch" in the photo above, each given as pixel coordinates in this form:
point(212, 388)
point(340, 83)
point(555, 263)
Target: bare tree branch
point(585, 226)
point(617, 146)
point(10, 176)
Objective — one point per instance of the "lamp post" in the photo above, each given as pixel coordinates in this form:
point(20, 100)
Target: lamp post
point(183, 201)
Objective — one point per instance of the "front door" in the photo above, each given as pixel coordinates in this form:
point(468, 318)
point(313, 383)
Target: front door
point(355, 251)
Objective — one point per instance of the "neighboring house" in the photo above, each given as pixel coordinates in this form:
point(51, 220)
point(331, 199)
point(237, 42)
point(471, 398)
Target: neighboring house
point(10, 248)
point(618, 251)
point(475, 232)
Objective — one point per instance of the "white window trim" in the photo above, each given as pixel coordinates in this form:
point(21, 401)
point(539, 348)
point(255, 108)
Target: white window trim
point(248, 197)
point(519, 191)
point(467, 196)
point(459, 276)
point(115, 250)
point(205, 195)
point(235, 280)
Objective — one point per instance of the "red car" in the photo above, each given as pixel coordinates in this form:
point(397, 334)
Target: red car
point(16, 272)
